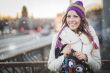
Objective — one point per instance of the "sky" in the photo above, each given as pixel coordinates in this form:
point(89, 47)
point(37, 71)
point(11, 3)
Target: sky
point(38, 8)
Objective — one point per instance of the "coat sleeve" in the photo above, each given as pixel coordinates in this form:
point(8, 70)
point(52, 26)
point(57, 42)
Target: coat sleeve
point(53, 63)
point(94, 58)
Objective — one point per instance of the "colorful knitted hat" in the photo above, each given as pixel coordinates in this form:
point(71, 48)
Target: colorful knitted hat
point(78, 7)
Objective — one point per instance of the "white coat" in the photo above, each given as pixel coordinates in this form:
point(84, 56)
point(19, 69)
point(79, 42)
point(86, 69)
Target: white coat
point(78, 43)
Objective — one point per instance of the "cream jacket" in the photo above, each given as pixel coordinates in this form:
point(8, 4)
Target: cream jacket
point(78, 43)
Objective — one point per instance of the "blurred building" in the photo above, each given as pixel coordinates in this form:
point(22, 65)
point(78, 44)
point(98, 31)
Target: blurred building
point(24, 12)
point(58, 21)
point(24, 21)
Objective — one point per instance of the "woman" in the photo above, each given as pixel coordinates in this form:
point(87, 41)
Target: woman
point(75, 35)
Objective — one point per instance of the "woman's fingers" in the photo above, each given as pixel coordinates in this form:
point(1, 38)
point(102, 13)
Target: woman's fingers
point(67, 47)
point(67, 50)
point(80, 55)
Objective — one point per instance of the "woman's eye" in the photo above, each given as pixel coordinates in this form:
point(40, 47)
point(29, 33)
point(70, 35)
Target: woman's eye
point(69, 16)
point(75, 16)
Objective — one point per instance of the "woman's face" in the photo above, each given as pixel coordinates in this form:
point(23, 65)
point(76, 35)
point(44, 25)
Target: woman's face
point(73, 20)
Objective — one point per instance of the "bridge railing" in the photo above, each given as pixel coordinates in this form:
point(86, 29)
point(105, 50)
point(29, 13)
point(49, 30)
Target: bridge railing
point(24, 67)
point(38, 67)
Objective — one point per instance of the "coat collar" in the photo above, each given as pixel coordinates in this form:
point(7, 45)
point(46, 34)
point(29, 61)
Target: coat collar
point(68, 36)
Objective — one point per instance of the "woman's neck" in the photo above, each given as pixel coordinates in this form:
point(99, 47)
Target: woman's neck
point(77, 32)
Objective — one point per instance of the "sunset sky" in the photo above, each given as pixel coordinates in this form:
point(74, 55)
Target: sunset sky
point(38, 8)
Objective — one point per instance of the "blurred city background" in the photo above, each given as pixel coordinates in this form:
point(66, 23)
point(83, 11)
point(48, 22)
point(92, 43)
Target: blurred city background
point(27, 28)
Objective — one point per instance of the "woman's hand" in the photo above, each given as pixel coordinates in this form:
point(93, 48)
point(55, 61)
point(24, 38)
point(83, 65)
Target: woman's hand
point(80, 56)
point(67, 50)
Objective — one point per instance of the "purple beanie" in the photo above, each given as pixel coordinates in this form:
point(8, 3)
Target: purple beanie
point(78, 7)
